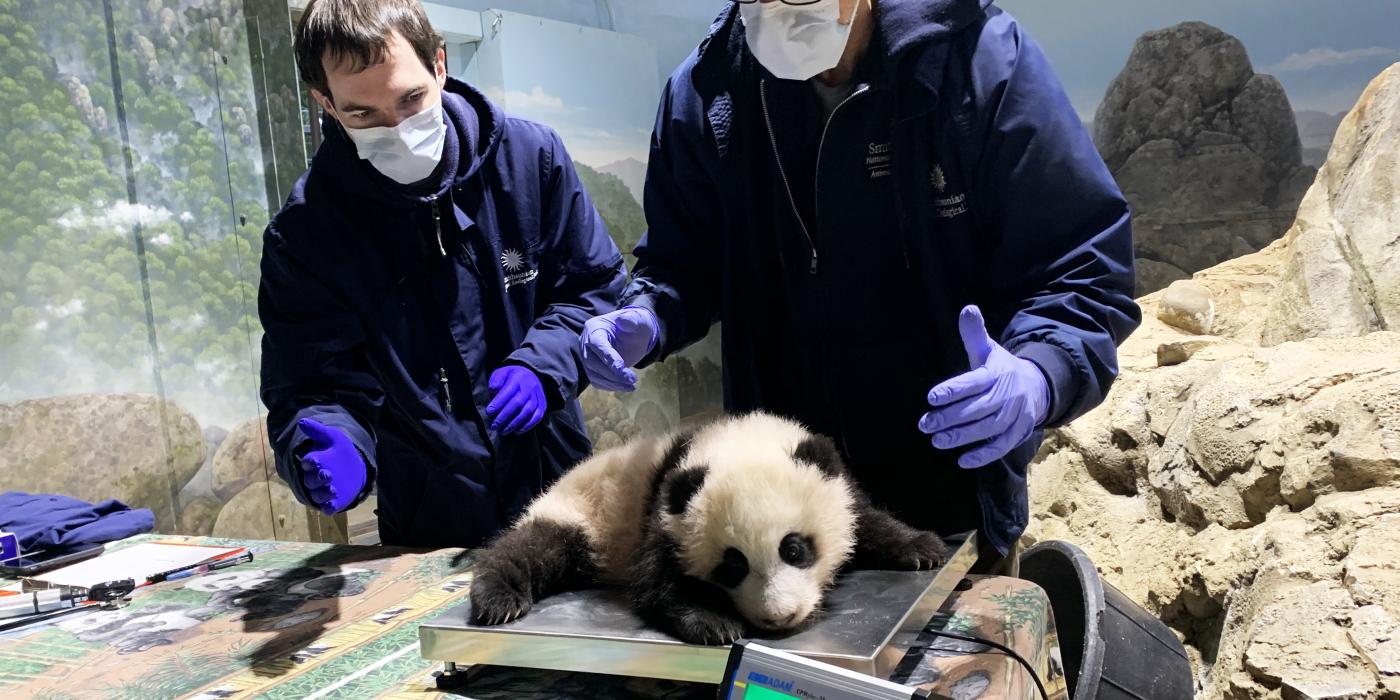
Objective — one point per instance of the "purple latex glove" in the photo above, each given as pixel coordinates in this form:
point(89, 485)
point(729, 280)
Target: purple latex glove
point(333, 471)
point(615, 341)
point(519, 403)
point(996, 406)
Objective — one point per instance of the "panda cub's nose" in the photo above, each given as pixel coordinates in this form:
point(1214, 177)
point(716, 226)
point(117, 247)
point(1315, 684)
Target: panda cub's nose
point(780, 622)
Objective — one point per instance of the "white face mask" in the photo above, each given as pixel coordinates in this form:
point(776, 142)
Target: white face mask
point(405, 153)
point(796, 42)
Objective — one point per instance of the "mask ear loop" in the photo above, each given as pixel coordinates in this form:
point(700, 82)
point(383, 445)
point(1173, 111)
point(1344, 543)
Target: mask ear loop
point(441, 64)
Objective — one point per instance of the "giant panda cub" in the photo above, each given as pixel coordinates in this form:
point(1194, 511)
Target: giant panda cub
point(738, 525)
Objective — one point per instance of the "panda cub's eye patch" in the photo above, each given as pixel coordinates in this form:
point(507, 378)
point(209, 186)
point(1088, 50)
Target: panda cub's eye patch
point(732, 570)
point(797, 550)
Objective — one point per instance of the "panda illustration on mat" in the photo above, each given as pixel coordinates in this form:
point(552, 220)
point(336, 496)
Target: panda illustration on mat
point(741, 524)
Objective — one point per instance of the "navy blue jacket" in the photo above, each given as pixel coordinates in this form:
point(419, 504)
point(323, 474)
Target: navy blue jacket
point(385, 311)
point(957, 173)
point(55, 521)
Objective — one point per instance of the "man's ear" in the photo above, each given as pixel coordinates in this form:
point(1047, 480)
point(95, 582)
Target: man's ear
point(440, 67)
point(323, 100)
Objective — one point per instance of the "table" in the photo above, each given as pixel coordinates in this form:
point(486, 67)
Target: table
point(311, 621)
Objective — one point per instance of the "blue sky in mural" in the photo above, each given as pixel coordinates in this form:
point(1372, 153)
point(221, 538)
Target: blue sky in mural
point(598, 89)
point(1324, 53)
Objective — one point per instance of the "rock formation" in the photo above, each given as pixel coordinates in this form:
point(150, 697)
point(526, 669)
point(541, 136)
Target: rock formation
point(268, 511)
point(1205, 149)
point(650, 419)
point(254, 507)
point(96, 447)
point(1245, 485)
point(198, 516)
point(243, 458)
point(1343, 263)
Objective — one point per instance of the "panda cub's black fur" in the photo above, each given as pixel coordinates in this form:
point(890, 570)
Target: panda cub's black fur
point(739, 525)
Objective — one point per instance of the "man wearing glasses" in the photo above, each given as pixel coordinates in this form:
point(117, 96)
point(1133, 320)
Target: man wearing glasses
point(907, 235)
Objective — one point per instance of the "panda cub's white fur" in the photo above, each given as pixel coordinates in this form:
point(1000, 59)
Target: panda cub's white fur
point(755, 493)
point(606, 497)
point(741, 524)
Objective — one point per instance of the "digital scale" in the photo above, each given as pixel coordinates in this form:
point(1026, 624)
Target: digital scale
point(756, 672)
point(871, 620)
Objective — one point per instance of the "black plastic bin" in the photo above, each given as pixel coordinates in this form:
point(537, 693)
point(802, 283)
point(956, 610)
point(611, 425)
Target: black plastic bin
point(1110, 646)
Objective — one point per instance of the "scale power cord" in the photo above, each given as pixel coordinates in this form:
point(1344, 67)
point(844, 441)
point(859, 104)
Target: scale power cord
point(999, 647)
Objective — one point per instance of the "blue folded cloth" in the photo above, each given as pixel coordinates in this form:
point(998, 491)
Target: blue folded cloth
point(50, 521)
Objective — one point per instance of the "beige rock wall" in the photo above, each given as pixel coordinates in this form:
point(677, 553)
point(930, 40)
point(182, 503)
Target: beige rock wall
point(1245, 485)
point(95, 447)
point(1342, 270)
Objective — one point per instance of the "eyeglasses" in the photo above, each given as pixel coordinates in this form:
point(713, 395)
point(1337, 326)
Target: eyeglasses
point(785, 2)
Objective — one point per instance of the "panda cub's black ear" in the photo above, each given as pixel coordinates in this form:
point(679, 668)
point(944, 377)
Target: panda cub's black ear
point(682, 485)
point(820, 451)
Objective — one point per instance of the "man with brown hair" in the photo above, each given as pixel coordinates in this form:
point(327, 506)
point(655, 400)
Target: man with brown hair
point(423, 289)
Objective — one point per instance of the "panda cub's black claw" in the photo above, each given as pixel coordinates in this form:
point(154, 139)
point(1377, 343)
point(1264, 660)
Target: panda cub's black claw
point(914, 550)
point(495, 601)
point(491, 608)
point(704, 627)
point(928, 551)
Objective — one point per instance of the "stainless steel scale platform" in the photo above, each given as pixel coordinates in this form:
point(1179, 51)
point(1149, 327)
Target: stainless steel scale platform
point(872, 619)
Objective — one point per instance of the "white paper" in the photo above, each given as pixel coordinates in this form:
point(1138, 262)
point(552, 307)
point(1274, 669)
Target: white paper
point(135, 562)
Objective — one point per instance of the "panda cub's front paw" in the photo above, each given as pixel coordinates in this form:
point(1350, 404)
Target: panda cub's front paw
point(498, 597)
point(699, 626)
point(924, 550)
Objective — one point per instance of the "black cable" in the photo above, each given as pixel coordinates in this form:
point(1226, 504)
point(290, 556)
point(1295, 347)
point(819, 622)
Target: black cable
point(1000, 647)
point(45, 616)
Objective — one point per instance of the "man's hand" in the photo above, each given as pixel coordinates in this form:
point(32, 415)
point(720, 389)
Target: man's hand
point(613, 342)
point(996, 406)
point(519, 403)
point(333, 471)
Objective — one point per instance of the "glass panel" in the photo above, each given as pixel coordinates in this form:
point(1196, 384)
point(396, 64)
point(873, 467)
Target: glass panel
point(76, 348)
point(606, 125)
point(140, 170)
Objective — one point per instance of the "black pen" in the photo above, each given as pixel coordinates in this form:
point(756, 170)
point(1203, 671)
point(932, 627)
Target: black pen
point(177, 574)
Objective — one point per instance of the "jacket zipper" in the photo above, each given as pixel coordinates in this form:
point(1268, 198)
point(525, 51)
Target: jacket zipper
point(782, 172)
point(437, 224)
point(816, 190)
point(821, 146)
point(446, 389)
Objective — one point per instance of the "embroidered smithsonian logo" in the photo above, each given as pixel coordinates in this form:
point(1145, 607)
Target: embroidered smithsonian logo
point(878, 160)
point(938, 179)
point(946, 207)
point(513, 263)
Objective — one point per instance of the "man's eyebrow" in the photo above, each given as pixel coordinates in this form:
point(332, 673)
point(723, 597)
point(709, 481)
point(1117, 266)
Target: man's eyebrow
point(352, 107)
